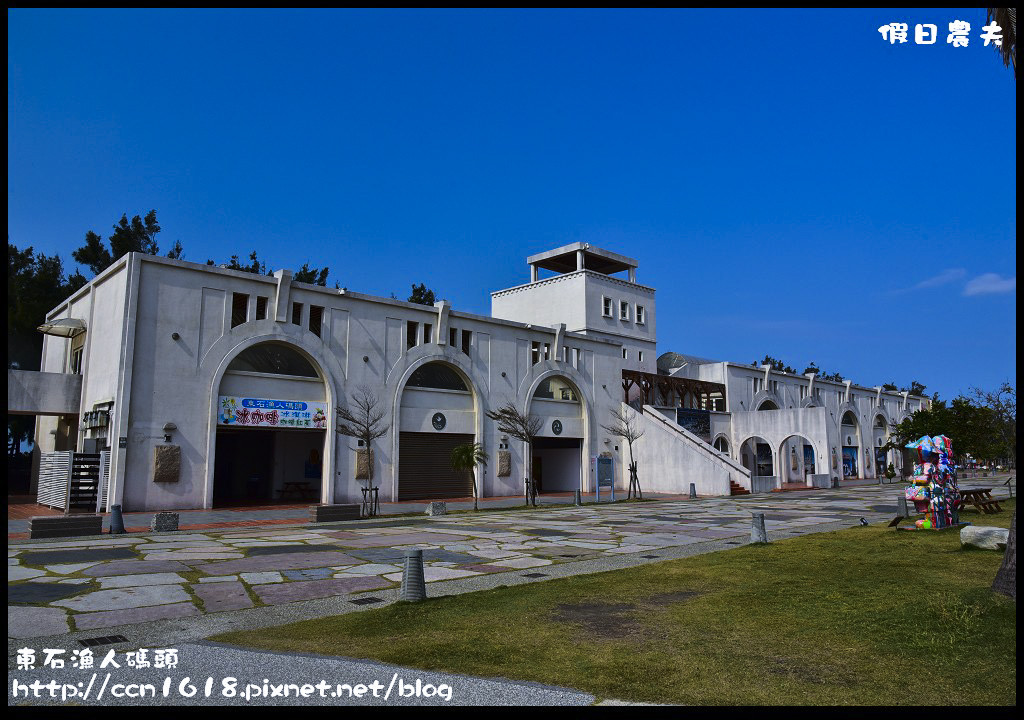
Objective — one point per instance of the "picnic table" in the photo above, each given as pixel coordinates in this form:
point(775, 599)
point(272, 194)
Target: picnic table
point(982, 499)
point(298, 489)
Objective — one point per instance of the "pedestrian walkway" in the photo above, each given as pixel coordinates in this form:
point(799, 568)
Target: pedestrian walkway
point(57, 587)
point(18, 514)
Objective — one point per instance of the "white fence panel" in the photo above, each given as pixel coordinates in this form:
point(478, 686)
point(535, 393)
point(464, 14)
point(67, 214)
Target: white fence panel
point(54, 479)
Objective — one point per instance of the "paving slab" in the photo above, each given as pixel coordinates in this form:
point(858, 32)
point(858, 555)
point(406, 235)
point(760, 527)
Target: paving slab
point(308, 574)
point(123, 598)
point(17, 572)
point(89, 621)
point(286, 549)
point(135, 567)
point(259, 578)
point(27, 622)
point(295, 561)
point(119, 581)
point(38, 592)
point(69, 568)
point(218, 597)
point(295, 591)
point(83, 555)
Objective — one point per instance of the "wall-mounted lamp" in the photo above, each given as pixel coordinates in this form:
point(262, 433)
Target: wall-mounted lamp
point(175, 336)
point(503, 374)
point(366, 358)
point(168, 429)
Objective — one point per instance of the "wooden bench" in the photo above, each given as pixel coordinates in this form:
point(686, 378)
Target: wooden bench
point(62, 526)
point(333, 513)
point(982, 499)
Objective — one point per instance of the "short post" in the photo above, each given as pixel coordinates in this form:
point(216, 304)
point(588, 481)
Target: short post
point(116, 521)
point(414, 588)
point(901, 504)
point(526, 483)
point(579, 498)
point(693, 491)
point(757, 532)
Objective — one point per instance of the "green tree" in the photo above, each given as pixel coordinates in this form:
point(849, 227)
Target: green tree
point(890, 386)
point(35, 285)
point(135, 235)
point(422, 295)
point(313, 276)
point(776, 365)
point(465, 458)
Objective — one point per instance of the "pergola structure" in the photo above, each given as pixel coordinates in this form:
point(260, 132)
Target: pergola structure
point(666, 390)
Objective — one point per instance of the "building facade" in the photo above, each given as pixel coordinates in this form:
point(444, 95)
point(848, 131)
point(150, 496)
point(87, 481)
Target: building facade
point(214, 387)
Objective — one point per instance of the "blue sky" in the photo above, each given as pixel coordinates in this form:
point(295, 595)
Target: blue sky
point(790, 182)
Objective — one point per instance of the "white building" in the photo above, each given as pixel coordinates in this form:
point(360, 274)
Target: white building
point(213, 387)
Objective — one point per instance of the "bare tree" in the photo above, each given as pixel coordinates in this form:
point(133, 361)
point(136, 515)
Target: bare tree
point(627, 426)
point(522, 427)
point(364, 420)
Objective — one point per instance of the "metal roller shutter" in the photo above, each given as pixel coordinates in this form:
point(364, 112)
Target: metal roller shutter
point(425, 468)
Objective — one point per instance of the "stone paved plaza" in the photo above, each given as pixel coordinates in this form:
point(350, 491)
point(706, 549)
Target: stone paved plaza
point(57, 587)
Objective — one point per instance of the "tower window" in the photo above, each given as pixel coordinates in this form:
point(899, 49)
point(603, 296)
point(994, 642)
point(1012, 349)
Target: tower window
point(640, 315)
point(316, 318)
point(624, 310)
point(606, 306)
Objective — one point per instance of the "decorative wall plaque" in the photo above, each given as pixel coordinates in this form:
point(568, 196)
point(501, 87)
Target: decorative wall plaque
point(438, 421)
point(556, 427)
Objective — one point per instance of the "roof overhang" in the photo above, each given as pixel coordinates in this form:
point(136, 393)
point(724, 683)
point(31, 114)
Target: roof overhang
point(63, 327)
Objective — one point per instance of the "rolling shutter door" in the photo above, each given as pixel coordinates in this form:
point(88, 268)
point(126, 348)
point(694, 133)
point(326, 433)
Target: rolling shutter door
point(425, 467)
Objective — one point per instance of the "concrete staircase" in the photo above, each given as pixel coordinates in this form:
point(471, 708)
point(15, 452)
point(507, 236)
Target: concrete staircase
point(736, 489)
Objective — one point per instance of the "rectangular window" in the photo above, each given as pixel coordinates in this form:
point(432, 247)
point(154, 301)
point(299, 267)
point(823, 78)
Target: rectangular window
point(427, 329)
point(412, 330)
point(261, 308)
point(239, 308)
point(76, 361)
point(625, 354)
point(297, 314)
point(466, 338)
point(640, 355)
point(547, 351)
point(640, 315)
point(534, 353)
point(623, 310)
point(453, 339)
point(606, 306)
point(316, 318)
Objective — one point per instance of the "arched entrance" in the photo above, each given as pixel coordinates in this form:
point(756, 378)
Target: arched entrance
point(880, 433)
point(272, 415)
point(849, 433)
point(798, 459)
point(756, 456)
point(558, 451)
point(768, 405)
point(436, 414)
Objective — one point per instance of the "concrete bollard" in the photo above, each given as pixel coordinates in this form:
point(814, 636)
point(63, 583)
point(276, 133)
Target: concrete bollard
point(901, 505)
point(116, 521)
point(757, 532)
point(693, 491)
point(579, 498)
point(414, 588)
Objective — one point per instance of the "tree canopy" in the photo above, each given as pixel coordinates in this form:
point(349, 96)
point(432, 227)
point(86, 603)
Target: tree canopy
point(137, 235)
point(421, 294)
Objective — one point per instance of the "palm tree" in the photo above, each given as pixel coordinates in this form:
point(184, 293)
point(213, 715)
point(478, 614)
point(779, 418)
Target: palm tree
point(1006, 19)
point(465, 458)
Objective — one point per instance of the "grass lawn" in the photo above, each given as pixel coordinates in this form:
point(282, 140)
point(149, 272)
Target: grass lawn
point(864, 615)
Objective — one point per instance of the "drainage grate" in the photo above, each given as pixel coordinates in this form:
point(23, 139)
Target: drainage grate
point(649, 557)
point(535, 575)
point(105, 640)
point(365, 601)
point(732, 542)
